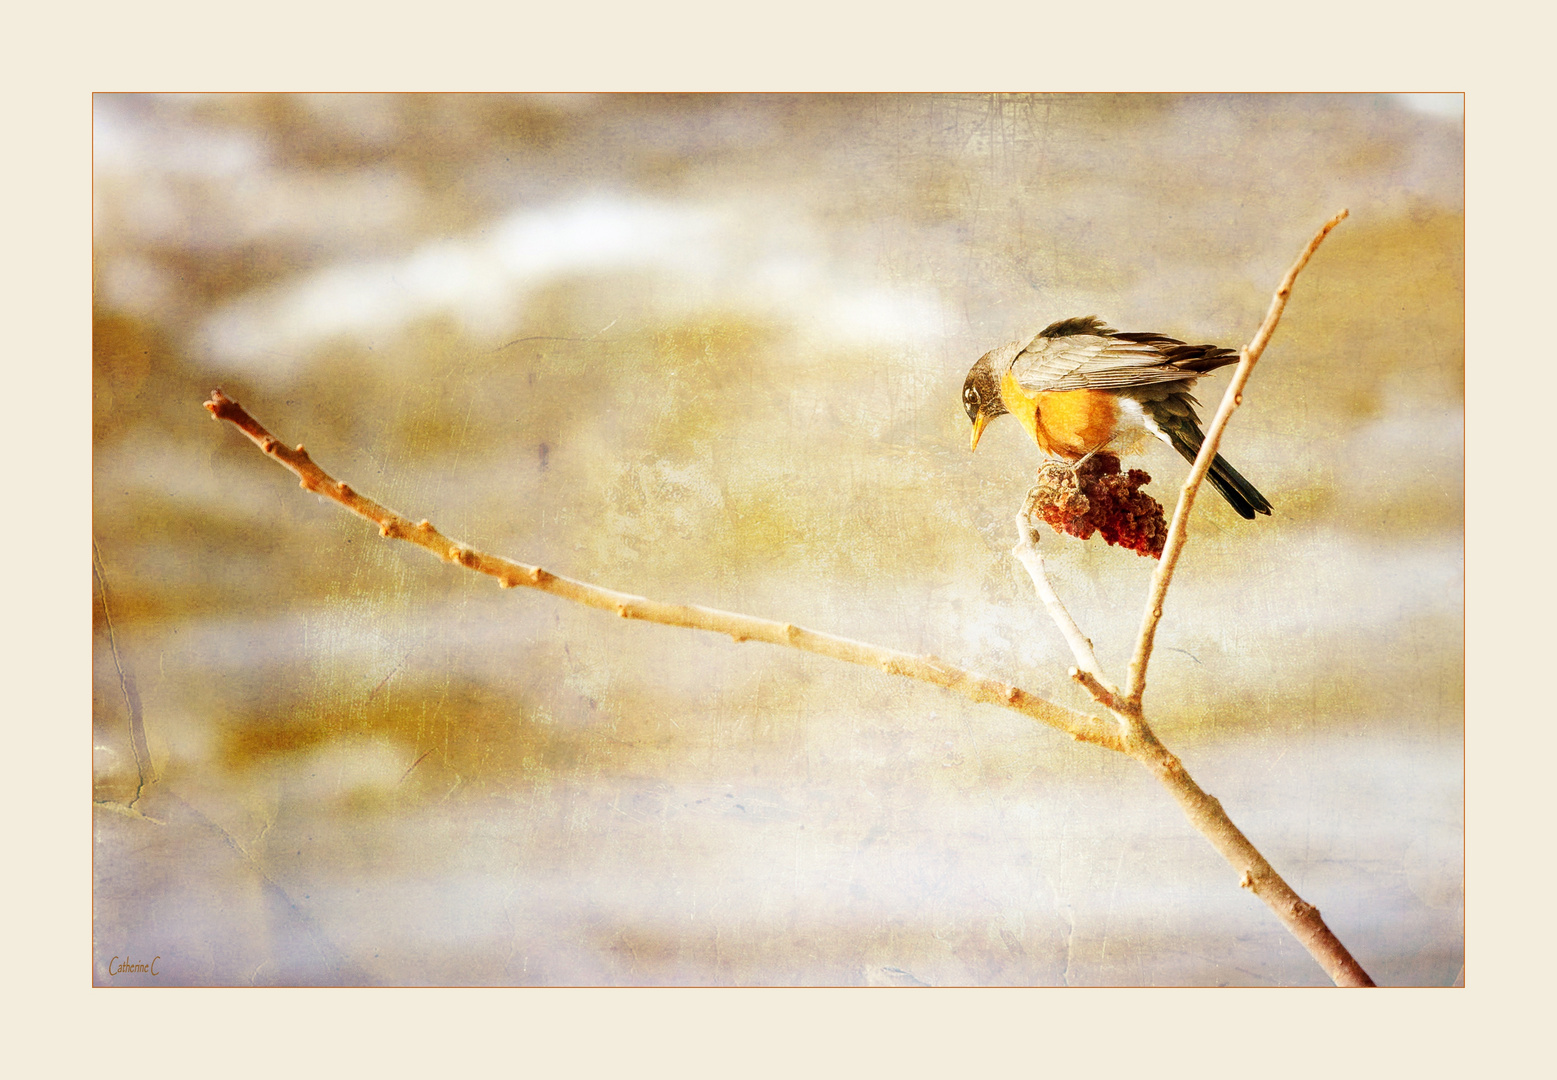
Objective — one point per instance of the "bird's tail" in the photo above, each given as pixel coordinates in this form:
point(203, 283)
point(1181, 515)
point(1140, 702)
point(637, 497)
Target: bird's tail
point(1187, 439)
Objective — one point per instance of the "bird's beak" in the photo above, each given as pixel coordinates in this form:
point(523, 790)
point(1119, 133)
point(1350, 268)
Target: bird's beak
point(979, 423)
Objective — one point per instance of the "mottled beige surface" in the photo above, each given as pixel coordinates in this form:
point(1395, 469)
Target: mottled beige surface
point(710, 350)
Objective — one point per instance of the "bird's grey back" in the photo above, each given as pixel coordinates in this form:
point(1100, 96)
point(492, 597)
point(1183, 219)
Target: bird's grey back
point(1078, 354)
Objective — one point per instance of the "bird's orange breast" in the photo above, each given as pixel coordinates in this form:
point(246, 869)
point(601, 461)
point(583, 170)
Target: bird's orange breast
point(1068, 423)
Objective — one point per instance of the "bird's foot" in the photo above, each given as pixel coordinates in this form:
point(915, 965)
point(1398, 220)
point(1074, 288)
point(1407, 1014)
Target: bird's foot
point(1075, 466)
point(1059, 488)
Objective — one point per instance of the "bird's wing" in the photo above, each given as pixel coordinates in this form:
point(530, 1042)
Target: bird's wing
point(1116, 362)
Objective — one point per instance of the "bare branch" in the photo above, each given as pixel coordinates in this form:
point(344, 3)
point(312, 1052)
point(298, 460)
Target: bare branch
point(1133, 736)
point(1204, 812)
point(1026, 552)
point(1135, 686)
point(509, 574)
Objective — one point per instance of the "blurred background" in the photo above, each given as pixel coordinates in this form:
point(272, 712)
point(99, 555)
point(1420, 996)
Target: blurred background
point(710, 349)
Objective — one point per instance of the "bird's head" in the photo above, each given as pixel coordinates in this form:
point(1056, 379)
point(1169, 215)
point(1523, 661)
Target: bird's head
point(981, 391)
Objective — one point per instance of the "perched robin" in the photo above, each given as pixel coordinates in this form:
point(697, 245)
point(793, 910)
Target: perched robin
point(1079, 387)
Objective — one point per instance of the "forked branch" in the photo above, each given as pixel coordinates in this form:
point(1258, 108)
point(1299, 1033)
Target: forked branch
point(1300, 918)
point(1131, 735)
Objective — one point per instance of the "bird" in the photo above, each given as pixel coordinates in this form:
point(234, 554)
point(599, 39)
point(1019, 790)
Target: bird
point(1080, 386)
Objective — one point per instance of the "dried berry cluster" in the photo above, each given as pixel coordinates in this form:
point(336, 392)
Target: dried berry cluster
point(1096, 498)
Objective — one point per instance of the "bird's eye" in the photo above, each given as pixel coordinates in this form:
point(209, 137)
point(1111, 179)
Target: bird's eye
point(970, 402)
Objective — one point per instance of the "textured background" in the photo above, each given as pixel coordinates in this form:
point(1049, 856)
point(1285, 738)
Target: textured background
point(710, 349)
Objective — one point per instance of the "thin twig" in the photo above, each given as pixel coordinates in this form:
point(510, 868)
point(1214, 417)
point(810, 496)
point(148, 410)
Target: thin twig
point(1026, 552)
point(1135, 685)
point(510, 574)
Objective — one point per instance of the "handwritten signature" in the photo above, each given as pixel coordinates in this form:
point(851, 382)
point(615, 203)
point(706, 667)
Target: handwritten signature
point(116, 967)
